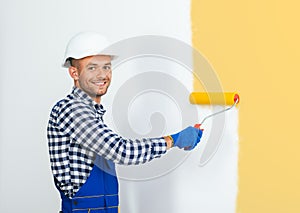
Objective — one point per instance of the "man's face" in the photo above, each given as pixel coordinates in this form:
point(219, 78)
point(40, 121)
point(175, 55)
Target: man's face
point(93, 75)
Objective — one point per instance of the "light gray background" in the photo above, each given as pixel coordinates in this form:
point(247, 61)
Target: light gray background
point(33, 39)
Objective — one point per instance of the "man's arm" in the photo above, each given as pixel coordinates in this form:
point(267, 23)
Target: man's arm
point(77, 120)
point(169, 141)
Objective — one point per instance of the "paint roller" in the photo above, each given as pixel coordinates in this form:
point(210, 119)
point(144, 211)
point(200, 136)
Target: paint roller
point(214, 98)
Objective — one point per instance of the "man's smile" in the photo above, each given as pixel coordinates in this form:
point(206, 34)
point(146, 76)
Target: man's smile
point(99, 83)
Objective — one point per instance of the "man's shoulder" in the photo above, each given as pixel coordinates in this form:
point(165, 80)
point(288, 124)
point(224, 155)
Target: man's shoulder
point(65, 101)
point(70, 102)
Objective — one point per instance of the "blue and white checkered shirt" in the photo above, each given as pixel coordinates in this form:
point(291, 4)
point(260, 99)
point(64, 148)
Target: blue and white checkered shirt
point(76, 133)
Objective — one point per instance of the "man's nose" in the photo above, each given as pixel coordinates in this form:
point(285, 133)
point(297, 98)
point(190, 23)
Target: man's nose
point(101, 73)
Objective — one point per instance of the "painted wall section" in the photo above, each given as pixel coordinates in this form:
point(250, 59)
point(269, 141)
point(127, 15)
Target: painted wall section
point(254, 47)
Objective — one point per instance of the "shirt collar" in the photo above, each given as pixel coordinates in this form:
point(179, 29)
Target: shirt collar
point(88, 100)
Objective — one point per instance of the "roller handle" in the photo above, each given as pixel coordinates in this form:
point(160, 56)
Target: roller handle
point(198, 126)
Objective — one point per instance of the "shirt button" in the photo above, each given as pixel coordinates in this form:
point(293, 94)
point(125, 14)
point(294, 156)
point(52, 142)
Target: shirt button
point(75, 202)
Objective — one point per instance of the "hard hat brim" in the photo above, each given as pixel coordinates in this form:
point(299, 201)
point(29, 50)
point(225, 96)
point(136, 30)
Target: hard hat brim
point(66, 63)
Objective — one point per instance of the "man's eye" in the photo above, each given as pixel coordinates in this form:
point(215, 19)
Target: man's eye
point(91, 68)
point(106, 67)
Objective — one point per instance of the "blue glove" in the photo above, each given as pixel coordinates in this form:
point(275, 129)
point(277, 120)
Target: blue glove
point(187, 138)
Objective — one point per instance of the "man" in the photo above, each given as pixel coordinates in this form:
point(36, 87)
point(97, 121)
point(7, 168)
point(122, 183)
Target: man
point(83, 150)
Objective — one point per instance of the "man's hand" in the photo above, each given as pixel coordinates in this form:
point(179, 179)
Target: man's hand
point(187, 138)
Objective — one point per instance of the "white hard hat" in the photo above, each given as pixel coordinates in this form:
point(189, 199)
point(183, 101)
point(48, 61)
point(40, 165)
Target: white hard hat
point(86, 44)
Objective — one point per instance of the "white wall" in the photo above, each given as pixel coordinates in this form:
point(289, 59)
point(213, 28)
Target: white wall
point(33, 38)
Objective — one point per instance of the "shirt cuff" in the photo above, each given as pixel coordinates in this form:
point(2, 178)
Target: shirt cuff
point(159, 147)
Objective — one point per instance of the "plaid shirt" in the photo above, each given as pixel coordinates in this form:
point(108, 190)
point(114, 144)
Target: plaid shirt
point(76, 133)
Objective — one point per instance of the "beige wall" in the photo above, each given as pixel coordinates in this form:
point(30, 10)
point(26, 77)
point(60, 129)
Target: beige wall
point(254, 47)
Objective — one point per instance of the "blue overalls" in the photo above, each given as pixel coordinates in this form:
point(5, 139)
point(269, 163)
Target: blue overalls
point(99, 194)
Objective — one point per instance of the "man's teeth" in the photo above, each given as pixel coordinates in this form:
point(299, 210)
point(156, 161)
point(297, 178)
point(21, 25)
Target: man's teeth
point(100, 83)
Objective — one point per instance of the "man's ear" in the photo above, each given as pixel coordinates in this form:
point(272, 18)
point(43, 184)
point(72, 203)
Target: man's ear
point(73, 71)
